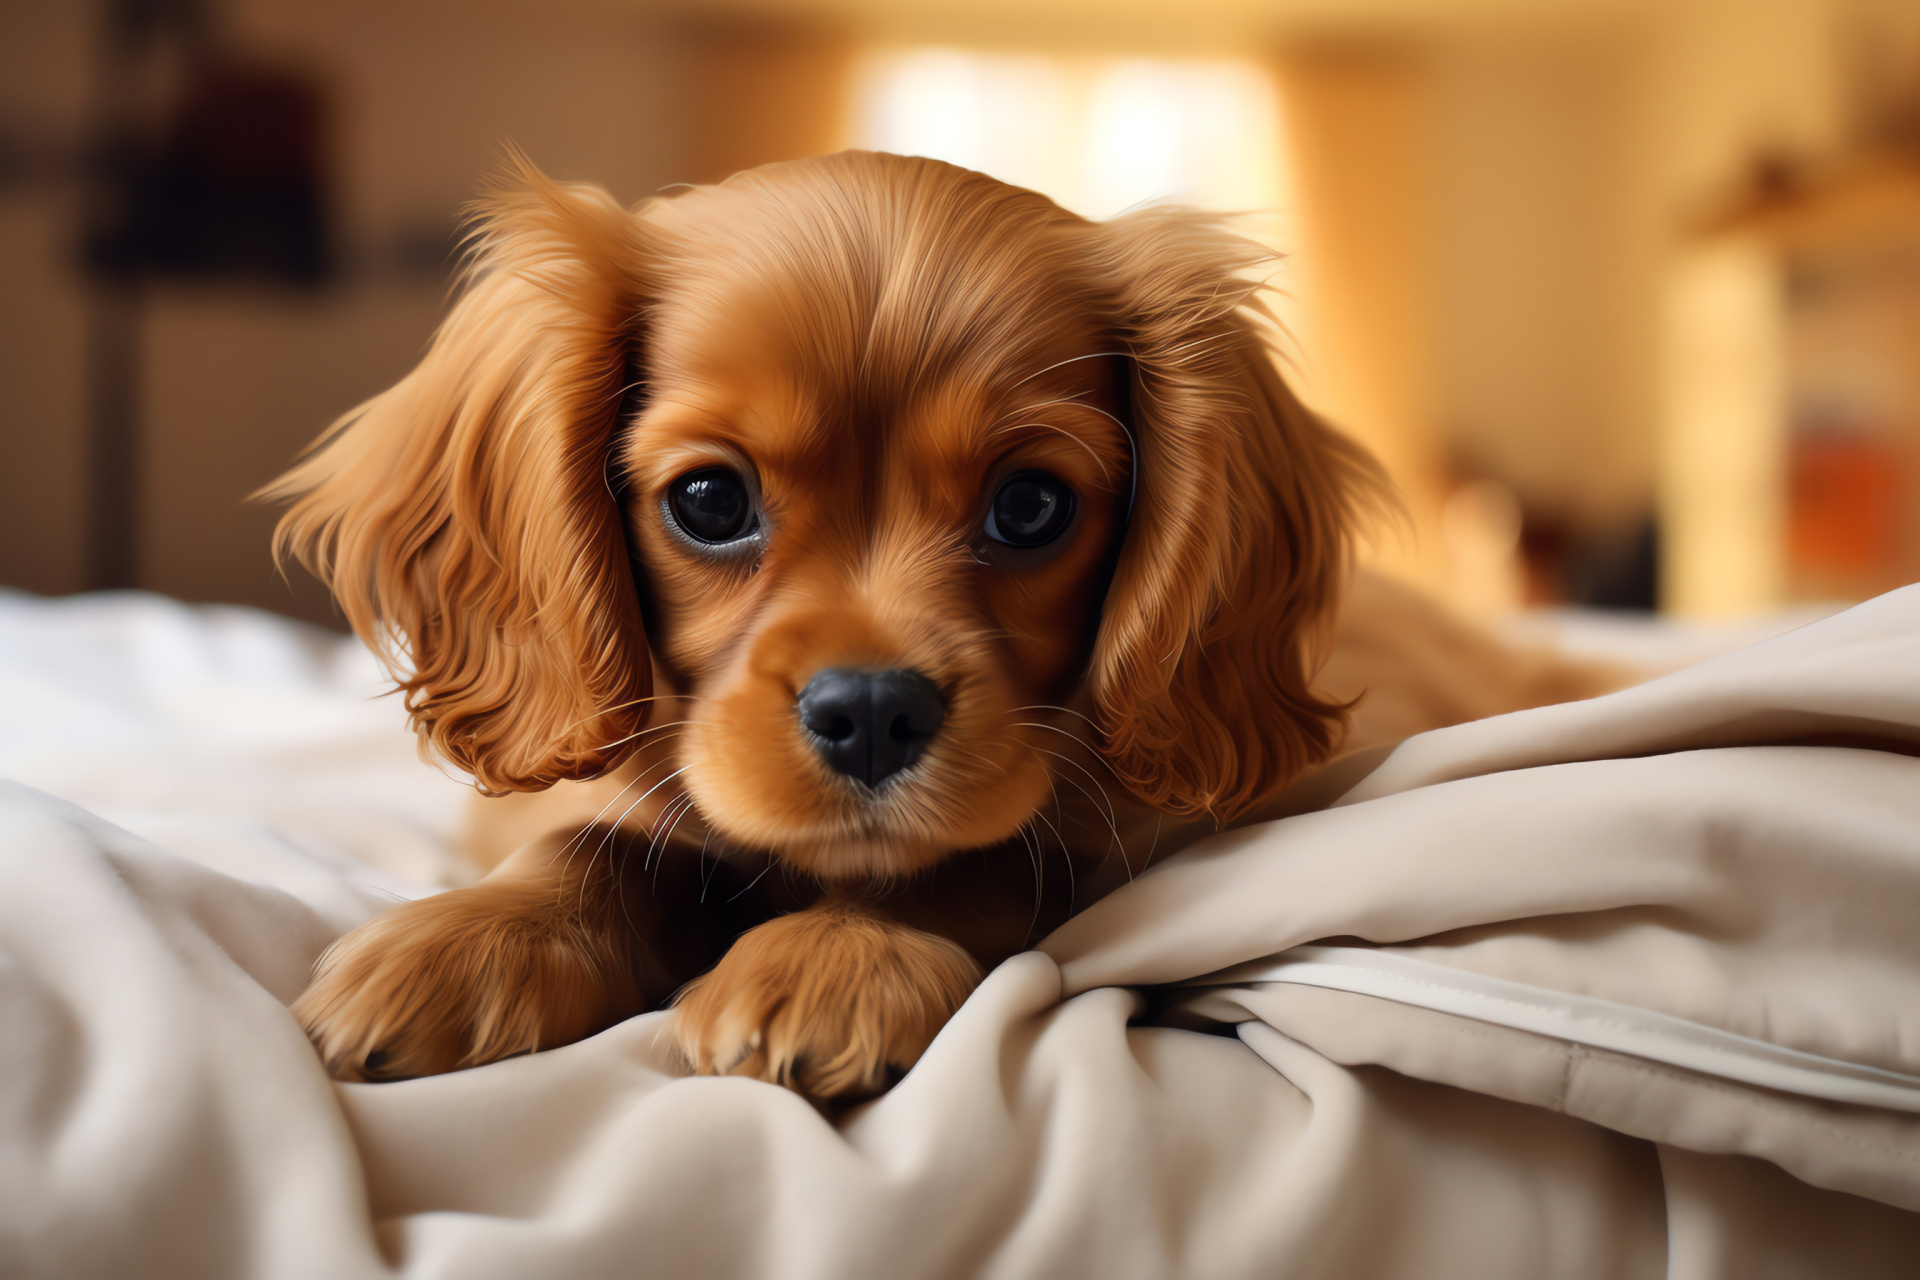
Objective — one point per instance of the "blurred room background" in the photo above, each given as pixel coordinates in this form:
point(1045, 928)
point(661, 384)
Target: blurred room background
point(1625, 293)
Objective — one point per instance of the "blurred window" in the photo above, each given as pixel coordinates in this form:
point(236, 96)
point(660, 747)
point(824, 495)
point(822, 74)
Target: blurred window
point(1099, 135)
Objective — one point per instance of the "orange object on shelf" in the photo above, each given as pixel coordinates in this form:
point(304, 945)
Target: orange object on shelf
point(1844, 513)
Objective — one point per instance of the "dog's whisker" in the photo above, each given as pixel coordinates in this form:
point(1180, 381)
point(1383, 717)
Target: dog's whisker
point(597, 712)
point(666, 842)
point(591, 822)
point(1068, 711)
point(1057, 838)
point(658, 840)
point(1102, 804)
point(663, 741)
point(1039, 890)
point(1115, 420)
point(574, 845)
point(1078, 401)
point(615, 826)
point(1066, 856)
point(1106, 473)
point(661, 860)
point(1133, 443)
point(1051, 706)
point(605, 846)
point(660, 819)
point(1060, 364)
point(658, 728)
point(1088, 773)
point(705, 841)
point(706, 873)
point(1116, 844)
point(1033, 855)
point(1152, 846)
point(756, 880)
point(1092, 750)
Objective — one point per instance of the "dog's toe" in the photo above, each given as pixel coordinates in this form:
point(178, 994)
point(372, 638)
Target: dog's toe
point(444, 983)
point(835, 1003)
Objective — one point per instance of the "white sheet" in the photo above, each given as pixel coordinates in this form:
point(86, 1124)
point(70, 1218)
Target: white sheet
point(223, 731)
point(160, 1113)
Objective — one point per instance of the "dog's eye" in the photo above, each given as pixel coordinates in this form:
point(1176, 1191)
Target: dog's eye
point(712, 505)
point(1031, 509)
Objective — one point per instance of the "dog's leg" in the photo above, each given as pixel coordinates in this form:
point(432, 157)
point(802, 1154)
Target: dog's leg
point(561, 940)
point(834, 1001)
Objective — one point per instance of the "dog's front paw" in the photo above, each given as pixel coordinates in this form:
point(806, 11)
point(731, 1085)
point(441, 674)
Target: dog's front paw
point(832, 1002)
point(460, 979)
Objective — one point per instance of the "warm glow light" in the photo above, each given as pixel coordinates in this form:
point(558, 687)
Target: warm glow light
point(1099, 135)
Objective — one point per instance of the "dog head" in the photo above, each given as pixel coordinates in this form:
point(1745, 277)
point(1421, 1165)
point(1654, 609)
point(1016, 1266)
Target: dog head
point(843, 488)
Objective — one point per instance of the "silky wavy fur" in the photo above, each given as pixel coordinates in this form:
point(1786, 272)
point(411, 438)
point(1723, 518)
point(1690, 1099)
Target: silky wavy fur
point(1240, 538)
point(462, 518)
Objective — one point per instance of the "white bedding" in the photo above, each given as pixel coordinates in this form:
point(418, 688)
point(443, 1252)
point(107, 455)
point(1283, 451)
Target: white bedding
point(221, 728)
point(1629, 987)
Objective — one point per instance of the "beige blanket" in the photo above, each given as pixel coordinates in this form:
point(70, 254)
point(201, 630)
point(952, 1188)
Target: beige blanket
point(1622, 988)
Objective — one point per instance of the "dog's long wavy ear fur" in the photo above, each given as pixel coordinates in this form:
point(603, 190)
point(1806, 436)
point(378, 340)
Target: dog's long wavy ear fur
point(1238, 542)
point(463, 518)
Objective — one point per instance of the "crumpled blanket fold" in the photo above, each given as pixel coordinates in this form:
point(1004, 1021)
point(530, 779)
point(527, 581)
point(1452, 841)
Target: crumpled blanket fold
point(1168, 1086)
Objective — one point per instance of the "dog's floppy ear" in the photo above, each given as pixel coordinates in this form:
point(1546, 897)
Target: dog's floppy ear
point(1238, 540)
point(464, 519)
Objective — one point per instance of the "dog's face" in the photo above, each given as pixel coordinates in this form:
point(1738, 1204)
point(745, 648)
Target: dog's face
point(863, 469)
point(870, 582)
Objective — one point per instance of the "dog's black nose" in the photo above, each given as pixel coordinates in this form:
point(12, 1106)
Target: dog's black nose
point(870, 725)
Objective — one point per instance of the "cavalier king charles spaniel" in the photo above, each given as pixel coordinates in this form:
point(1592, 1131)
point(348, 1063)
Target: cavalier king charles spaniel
point(886, 562)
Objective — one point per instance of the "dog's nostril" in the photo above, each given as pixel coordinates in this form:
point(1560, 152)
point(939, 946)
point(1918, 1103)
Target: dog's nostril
point(904, 730)
point(869, 725)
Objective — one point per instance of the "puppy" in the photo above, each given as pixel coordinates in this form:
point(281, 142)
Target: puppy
point(908, 559)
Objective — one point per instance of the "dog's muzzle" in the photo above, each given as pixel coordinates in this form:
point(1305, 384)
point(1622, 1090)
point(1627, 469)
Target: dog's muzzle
point(869, 725)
